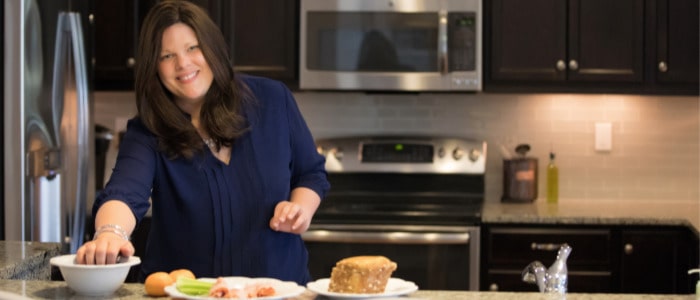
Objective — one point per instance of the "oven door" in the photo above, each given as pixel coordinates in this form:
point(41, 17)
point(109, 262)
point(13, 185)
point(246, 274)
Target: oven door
point(433, 257)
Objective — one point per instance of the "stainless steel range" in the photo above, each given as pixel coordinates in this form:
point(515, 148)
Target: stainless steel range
point(416, 200)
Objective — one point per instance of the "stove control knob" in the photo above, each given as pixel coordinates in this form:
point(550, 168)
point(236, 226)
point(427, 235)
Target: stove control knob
point(441, 152)
point(337, 153)
point(458, 153)
point(474, 155)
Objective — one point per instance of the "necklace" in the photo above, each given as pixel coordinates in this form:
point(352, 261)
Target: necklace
point(210, 143)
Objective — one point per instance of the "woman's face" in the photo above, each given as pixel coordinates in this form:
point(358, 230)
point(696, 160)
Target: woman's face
point(182, 67)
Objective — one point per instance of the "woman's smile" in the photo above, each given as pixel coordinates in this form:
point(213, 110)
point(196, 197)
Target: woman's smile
point(187, 77)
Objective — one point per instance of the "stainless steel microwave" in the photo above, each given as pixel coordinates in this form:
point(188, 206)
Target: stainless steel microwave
point(390, 45)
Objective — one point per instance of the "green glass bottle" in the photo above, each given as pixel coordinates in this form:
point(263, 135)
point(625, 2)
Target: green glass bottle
point(552, 180)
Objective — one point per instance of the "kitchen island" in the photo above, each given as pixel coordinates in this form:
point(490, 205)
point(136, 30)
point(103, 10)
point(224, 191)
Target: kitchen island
point(35, 289)
point(26, 260)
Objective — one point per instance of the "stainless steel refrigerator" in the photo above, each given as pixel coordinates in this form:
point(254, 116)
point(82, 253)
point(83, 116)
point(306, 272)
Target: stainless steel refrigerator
point(47, 121)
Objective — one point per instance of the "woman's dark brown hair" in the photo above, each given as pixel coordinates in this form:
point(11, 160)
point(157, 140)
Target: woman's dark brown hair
point(222, 110)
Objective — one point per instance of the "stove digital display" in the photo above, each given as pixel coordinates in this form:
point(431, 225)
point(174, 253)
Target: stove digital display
point(397, 153)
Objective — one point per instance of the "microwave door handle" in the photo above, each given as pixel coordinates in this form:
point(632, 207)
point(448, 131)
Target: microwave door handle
point(442, 42)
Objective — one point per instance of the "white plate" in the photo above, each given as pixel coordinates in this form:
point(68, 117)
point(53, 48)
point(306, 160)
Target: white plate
point(283, 289)
point(394, 287)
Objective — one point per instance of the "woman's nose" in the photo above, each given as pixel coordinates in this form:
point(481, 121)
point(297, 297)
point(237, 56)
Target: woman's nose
point(182, 61)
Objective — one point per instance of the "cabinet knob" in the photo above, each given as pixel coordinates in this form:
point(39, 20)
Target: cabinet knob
point(663, 67)
point(493, 287)
point(130, 62)
point(629, 249)
point(573, 65)
point(561, 65)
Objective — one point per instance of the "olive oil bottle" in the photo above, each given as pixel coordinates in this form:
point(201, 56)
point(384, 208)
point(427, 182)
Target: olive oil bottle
point(552, 180)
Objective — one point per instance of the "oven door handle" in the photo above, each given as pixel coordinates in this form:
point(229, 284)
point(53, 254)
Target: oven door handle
point(427, 238)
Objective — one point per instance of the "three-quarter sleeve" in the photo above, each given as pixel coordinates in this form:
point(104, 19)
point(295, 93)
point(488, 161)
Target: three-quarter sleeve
point(132, 177)
point(308, 166)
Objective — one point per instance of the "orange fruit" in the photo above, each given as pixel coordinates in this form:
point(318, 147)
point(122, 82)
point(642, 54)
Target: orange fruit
point(156, 282)
point(175, 274)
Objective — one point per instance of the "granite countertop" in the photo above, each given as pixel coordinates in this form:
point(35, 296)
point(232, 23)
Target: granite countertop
point(35, 289)
point(589, 212)
point(26, 260)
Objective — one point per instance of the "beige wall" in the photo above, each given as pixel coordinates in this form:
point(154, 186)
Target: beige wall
point(655, 139)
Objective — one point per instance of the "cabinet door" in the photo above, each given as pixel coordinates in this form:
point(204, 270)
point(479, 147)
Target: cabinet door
point(116, 32)
point(117, 24)
point(263, 38)
point(654, 262)
point(606, 40)
point(528, 40)
point(677, 42)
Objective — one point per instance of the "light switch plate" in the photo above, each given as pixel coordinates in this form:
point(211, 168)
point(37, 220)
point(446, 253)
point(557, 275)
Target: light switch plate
point(603, 136)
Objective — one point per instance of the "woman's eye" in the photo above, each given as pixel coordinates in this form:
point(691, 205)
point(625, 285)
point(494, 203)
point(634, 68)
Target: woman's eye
point(192, 48)
point(166, 56)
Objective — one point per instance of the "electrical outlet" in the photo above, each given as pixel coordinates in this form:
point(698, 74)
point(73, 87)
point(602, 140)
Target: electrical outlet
point(603, 136)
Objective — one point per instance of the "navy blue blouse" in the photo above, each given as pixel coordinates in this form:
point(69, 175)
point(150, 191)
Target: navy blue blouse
point(213, 218)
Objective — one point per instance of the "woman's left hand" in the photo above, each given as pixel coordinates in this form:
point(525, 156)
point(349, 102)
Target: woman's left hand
point(290, 217)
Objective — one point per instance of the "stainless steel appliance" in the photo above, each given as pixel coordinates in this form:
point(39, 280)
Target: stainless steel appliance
point(416, 200)
point(404, 45)
point(47, 121)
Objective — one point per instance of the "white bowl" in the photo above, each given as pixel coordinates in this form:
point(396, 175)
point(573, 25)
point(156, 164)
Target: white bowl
point(93, 280)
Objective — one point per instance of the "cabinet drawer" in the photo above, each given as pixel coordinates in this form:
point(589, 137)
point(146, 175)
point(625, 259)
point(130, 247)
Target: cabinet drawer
point(578, 282)
point(519, 247)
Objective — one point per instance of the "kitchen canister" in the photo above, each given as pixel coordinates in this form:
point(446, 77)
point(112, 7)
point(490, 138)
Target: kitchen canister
point(520, 177)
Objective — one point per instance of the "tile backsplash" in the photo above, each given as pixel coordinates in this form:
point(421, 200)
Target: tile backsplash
point(655, 151)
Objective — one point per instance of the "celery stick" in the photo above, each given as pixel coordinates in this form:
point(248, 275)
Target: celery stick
point(193, 287)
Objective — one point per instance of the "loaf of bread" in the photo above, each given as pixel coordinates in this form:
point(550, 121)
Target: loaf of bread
point(361, 275)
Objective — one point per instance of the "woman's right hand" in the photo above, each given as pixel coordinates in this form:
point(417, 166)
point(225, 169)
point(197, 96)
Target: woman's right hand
point(106, 248)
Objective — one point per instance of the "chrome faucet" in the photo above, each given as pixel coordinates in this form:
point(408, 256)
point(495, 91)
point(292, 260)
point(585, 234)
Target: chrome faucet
point(552, 280)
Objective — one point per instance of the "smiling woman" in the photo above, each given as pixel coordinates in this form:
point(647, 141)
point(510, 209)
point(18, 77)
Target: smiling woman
point(257, 182)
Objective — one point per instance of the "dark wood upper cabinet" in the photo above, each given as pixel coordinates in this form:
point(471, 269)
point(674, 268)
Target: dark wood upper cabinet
point(262, 36)
point(605, 40)
point(590, 46)
point(558, 41)
point(674, 51)
point(528, 40)
point(116, 28)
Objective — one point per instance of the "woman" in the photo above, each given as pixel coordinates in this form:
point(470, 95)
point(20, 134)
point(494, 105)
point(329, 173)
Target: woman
point(227, 160)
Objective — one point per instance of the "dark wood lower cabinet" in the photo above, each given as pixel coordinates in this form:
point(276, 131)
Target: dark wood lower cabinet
point(579, 282)
point(604, 259)
point(655, 261)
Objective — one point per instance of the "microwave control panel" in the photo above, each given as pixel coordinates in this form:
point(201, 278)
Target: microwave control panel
point(462, 35)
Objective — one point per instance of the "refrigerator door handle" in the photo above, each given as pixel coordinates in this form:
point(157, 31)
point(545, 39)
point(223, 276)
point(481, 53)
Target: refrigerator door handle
point(70, 100)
